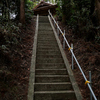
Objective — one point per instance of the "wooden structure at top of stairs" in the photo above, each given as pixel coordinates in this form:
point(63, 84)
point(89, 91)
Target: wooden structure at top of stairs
point(43, 7)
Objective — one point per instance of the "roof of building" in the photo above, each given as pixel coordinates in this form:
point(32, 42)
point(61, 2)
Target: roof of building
point(43, 7)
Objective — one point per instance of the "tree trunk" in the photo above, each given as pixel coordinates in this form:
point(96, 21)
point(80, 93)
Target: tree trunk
point(98, 9)
point(22, 11)
point(8, 13)
point(18, 9)
point(64, 11)
point(92, 8)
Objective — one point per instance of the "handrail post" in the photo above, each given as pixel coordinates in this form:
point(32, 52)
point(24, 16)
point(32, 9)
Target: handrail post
point(57, 29)
point(54, 24)
point(72, 58)
point(64, 41)
point(90, 84)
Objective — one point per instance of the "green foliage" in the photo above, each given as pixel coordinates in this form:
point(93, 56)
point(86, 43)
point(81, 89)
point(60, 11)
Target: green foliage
point(9, 34)
point(35, 3)
point(97, 36)
point(59, 11)
point(29, 5)
point(9, 29)
point(28, 10)
point(8, 7)
point(77, 14)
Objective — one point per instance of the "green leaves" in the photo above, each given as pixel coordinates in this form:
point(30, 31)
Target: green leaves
point(76, 13)
point(59, 10)
point(10, 34)
point(28, 10)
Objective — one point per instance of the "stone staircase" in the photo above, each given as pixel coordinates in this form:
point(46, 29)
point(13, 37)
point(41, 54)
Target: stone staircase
point(52, 81)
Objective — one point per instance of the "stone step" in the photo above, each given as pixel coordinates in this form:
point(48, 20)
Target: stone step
point(50, 38)
point(48, 53)
point(50, 65)
point(56, 51)
point(40, 36)
point(47, 43)
point(45, 32)
point(53, 86)
point(43, 19)
point(49, 60)
point(49, 33)
point(51, 78)
point(49, 56)
point(47, 46)
point(55, 95)
point(45, 26)
point(51, 72)
point(46, 39)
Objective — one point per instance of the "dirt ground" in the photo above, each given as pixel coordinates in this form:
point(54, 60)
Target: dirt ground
point(14, 81)
point(88, 56)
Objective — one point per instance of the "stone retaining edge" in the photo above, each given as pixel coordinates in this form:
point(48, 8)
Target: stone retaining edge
point(30, 95)
point(70, 73)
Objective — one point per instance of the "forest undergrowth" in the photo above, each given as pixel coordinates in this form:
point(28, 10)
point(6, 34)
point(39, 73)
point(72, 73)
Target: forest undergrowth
point(15, 59)
point(88, 55)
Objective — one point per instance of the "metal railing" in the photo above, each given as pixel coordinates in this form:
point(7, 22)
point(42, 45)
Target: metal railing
point(86, 81)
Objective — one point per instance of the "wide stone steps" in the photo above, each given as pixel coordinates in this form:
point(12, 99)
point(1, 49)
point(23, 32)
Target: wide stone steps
point(52, 81)
point(45, 26)
point(54, 95)
point(51, 78)
point(46, 42)
point(49, 56)
point(43, 20)
point(51, 72)
point(45, 52)
point(44, 32)
point(50, 65)
point(40, 48)
point(45, 35)
point(53, 86)
point(50, 60)
point(46, 47)
point(48, 38)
